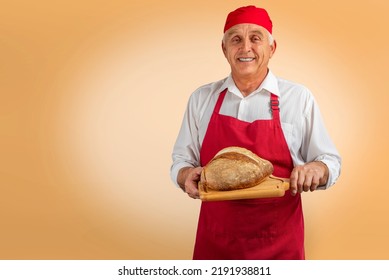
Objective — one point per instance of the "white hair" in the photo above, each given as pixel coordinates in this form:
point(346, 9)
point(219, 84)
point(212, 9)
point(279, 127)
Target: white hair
point(271, 38)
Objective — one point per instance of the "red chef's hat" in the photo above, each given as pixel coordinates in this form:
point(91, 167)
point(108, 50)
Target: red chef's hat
point(249, 14)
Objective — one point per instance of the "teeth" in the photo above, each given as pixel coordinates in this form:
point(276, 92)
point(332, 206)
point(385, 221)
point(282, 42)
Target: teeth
point(246, 59)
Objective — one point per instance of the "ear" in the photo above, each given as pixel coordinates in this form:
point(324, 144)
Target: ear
point(273, 48)
point(224, 49)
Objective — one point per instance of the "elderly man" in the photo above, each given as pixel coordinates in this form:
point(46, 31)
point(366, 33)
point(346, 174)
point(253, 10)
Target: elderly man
point(276, 119)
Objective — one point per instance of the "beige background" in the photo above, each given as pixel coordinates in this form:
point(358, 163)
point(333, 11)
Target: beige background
point(92, 95)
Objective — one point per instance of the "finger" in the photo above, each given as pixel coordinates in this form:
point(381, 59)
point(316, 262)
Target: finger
point(198, 170)
point(191, 184)
point(311, 181)
point(293, 182)
point(193, 194)
point(307, 182)
point(300, 181)
point(193, 177)
point(195, 174)
point(191, 189)
point(315, 183)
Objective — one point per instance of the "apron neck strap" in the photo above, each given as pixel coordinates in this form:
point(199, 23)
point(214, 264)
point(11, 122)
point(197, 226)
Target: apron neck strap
point(275, 106)
point(220, 101)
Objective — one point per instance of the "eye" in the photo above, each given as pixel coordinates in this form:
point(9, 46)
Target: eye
point(256, 39)
point(235, 39)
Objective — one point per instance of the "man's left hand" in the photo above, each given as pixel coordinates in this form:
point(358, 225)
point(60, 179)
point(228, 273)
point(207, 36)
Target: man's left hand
point(308, 177)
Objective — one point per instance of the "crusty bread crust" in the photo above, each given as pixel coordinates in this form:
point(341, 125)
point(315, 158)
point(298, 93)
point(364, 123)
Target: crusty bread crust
point(235, 168)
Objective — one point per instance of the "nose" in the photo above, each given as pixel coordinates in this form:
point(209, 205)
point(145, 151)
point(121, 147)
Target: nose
point(246, 45)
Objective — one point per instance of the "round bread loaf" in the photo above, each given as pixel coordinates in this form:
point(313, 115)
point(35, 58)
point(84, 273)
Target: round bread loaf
point(235, 168)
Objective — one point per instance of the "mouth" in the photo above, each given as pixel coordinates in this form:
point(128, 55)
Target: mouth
point(246, 59)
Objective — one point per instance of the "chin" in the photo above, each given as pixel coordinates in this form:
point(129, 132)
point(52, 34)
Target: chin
point(246, 72)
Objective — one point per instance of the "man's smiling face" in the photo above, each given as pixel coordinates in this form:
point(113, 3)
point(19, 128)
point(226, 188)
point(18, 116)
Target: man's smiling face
point(248, 49)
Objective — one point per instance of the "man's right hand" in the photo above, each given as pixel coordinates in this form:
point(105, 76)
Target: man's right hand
point(188, 178)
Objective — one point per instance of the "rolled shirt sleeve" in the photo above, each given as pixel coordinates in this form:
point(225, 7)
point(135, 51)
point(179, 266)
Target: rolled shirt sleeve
point(317, 145)
point(186, 151)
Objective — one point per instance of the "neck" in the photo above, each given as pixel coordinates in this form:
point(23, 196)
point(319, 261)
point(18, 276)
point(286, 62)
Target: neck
point(248, 84)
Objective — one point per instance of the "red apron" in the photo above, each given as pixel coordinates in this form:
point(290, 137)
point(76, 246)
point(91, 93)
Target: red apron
point(265, 228)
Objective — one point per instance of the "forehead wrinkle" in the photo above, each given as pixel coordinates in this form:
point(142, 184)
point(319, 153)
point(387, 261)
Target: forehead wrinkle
point(237, 31)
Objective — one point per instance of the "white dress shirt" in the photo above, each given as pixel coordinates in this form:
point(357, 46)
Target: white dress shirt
point(301, 122)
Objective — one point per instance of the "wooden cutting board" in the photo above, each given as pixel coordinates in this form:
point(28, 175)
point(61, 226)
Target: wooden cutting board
point(271, 187)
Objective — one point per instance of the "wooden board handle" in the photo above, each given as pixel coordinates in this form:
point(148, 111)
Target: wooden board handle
point(285, 181)
point(271, 187)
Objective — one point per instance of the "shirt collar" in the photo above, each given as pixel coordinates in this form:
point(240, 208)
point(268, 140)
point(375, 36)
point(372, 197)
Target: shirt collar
point(270, 84)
